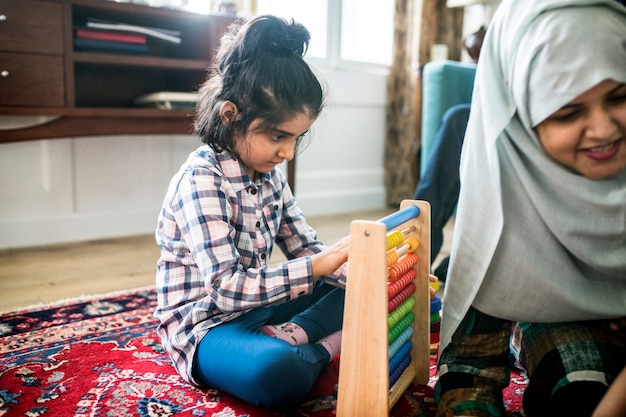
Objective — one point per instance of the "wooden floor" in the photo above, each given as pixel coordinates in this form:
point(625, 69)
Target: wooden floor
point(45, 274)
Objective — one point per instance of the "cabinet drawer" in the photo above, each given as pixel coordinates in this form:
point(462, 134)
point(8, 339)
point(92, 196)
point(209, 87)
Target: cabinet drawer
point(31, 26)
point(31, 80)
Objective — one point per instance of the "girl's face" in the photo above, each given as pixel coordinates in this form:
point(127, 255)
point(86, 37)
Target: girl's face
point(588, 134)
point(262, 150)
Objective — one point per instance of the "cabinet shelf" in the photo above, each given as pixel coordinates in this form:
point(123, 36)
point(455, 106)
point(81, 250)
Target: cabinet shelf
point(100, 123)
point(139, 61)
point(89, 92)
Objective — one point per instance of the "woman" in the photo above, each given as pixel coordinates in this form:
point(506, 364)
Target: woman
point(540, 236)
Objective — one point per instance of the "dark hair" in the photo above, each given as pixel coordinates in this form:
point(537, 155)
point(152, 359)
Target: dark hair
point(259, 66)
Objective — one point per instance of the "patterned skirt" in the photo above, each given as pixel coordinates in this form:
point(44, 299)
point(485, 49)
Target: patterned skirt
point(569, 365)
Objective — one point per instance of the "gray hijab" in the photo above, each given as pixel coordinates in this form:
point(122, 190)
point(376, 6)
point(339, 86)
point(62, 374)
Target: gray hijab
point(533, 240)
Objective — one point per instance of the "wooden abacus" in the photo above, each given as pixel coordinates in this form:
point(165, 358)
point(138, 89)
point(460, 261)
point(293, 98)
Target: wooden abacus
point(380, 354)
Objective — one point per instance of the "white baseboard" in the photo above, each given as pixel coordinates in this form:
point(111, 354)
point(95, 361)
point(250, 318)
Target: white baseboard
point(76, 228)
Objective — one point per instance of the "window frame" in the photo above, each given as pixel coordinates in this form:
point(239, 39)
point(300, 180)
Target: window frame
point(333, 59)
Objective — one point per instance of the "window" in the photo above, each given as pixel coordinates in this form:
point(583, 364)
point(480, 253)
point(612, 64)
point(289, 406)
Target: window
point(367, 31)
point(342, 31)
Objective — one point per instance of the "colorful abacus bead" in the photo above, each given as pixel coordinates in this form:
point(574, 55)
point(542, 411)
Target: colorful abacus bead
point(394, 239)
point(396, 270)
point(393, 287)
point(408, 246)
point(435, 321)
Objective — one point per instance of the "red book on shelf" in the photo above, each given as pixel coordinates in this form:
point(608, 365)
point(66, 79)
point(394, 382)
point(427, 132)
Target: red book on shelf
point(102, 35)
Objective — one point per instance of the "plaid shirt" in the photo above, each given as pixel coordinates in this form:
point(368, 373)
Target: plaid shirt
point(216, 232)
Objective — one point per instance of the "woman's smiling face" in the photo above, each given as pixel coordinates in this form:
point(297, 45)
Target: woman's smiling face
point(588, 135)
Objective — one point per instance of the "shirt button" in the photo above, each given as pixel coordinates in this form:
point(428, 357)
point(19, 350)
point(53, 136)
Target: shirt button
point(275, 207)
point(217, 282)
point(253, 191)
point(263, 256)
point(258, 224)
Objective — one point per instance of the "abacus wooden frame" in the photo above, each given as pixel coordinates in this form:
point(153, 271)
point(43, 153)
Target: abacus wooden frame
point(364, 364)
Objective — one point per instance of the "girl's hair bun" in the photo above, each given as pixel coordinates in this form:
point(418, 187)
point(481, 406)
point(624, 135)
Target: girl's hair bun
point(276, 36)
point(293, 40)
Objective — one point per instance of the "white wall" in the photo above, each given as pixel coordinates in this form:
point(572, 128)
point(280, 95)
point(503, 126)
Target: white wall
point(342, 168)
point(75, 189)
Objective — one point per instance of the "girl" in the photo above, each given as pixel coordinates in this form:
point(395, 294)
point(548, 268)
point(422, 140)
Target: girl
point(228, 319)
point(540, 236)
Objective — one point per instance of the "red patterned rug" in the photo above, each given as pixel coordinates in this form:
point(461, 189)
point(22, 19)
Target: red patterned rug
point(100, 356)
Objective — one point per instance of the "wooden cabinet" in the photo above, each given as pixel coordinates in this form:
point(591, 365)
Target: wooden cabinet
point(30, 26)
point(31, 54)
point(31, 80)
point(90, 92)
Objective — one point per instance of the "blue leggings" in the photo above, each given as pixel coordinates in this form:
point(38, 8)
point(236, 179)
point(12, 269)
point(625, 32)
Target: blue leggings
point(237, 358)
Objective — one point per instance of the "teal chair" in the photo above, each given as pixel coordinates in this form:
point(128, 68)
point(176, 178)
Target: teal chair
point(444, 84)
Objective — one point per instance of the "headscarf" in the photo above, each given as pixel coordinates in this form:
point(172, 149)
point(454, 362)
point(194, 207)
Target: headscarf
point(535, 241)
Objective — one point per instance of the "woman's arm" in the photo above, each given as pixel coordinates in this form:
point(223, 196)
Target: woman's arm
point(613, 404)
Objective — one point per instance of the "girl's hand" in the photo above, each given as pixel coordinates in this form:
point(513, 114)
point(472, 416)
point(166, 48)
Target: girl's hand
point(330, 259)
